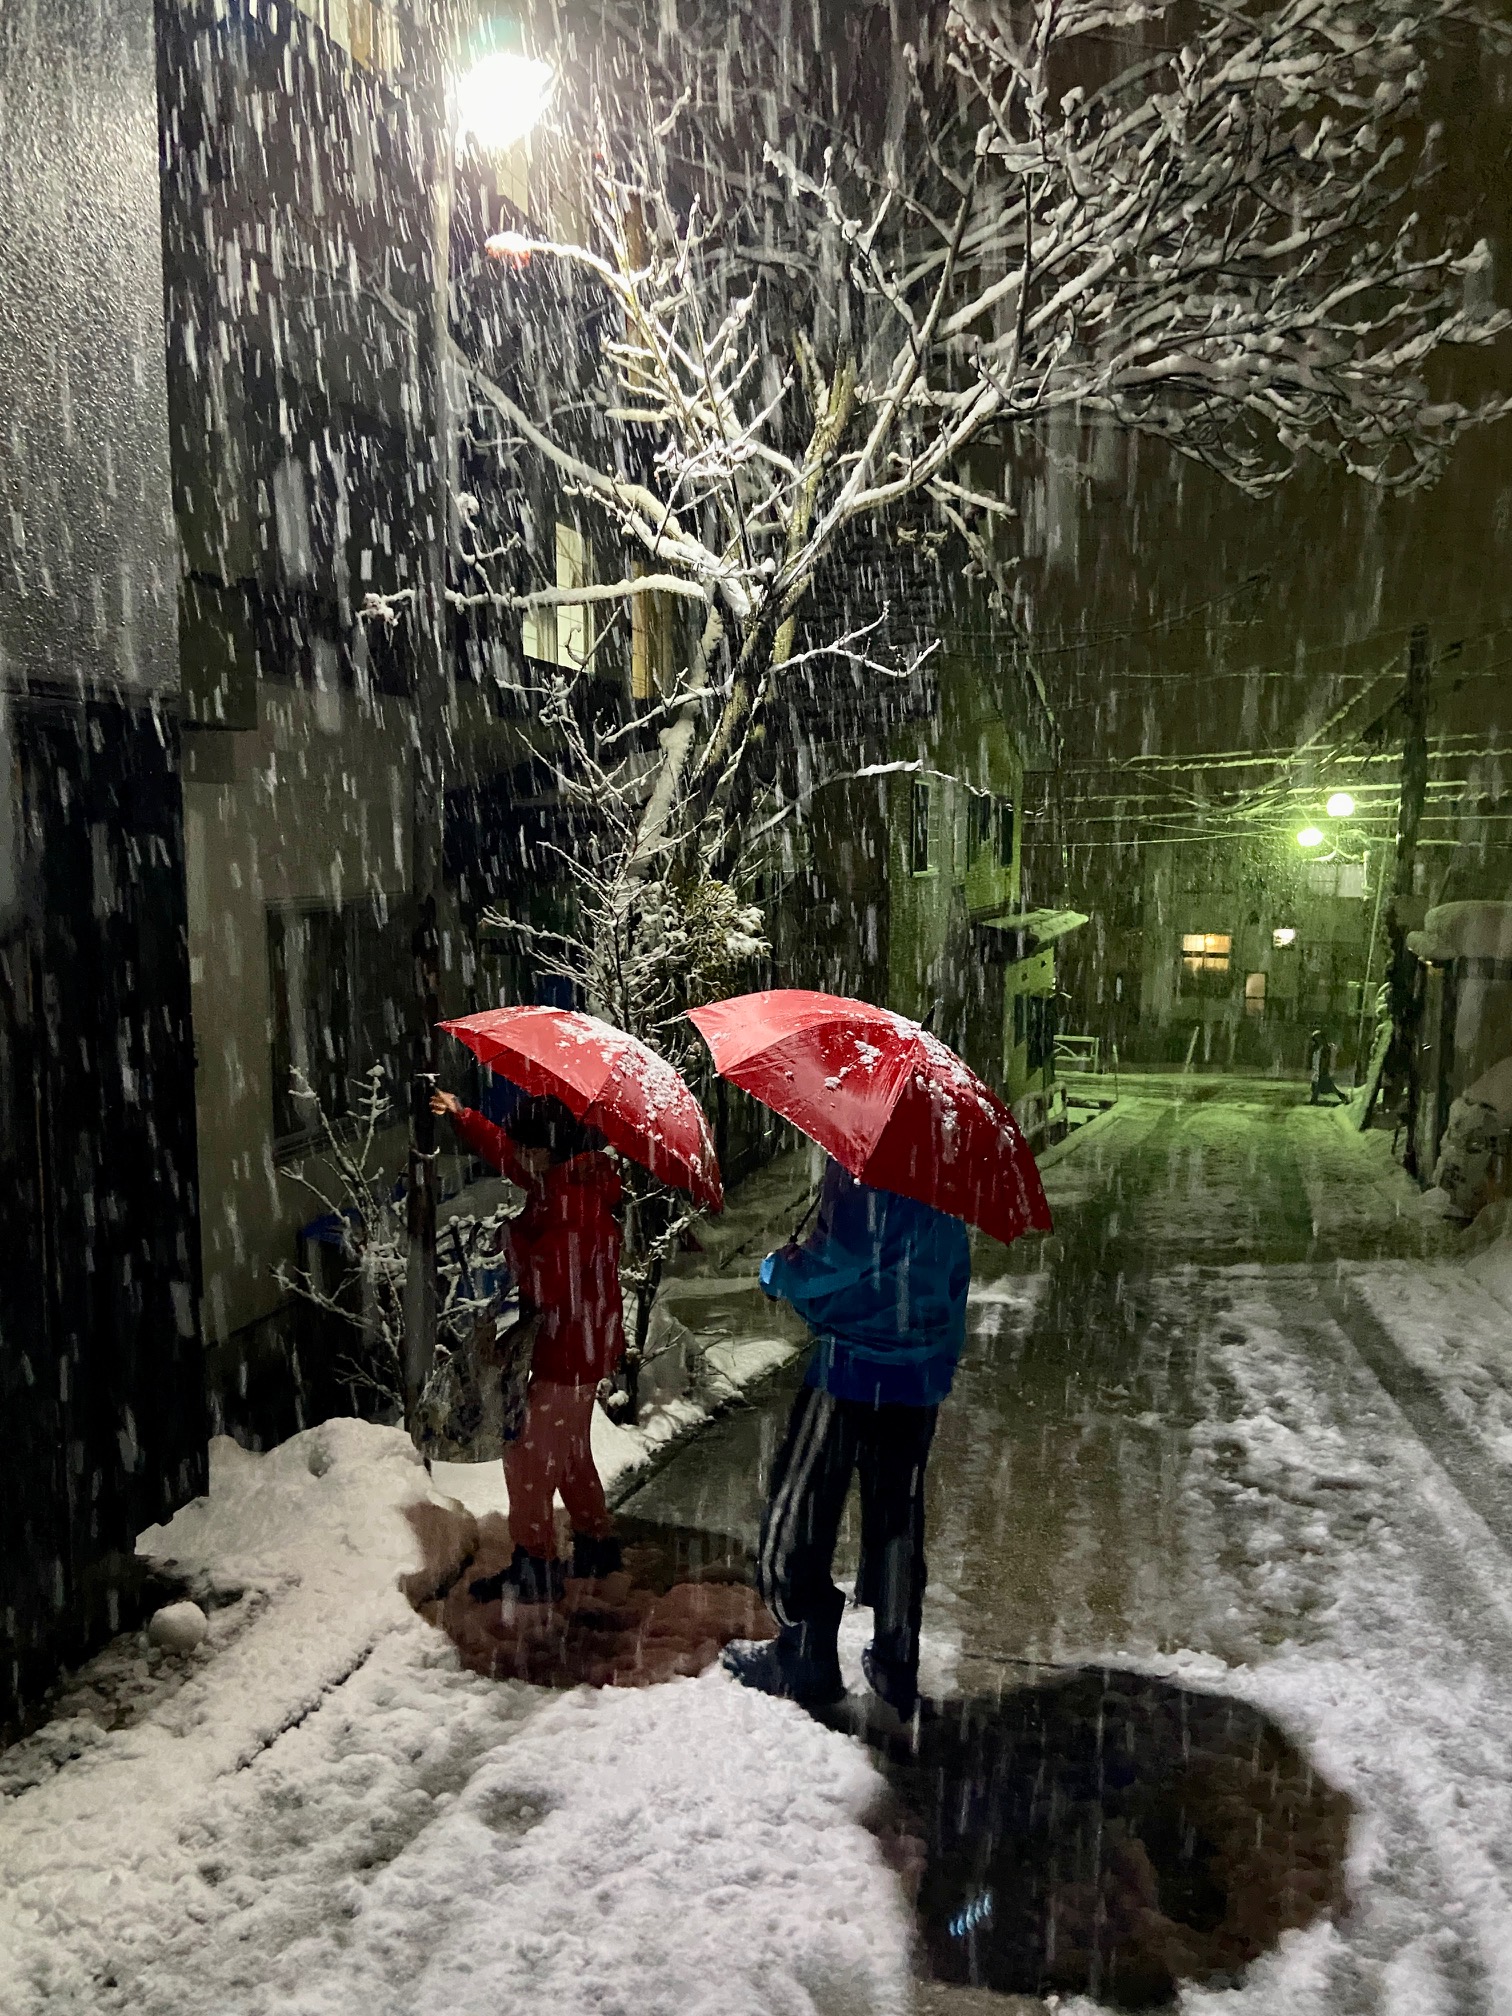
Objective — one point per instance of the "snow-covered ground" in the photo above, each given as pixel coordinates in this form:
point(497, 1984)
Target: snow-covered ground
point(1245, 1429)
point(317, 1811)
point(1306, 1534)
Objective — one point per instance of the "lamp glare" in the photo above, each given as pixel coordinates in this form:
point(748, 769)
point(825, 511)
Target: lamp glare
point(501, 98)
point(1340, 806)
point(1310, 836)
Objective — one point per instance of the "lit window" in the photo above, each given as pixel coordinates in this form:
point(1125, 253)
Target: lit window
point(650, 642)
point(574, 619)
point(1206, 951)
point(1205, 962)
point(368, 30)
point(1254, 993)
point(562, 633)
point(1283, 935)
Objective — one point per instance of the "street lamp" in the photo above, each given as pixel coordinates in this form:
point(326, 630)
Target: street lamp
point(1340, 805)
point(495, 103)
point(1310, 836)
point(501, 98)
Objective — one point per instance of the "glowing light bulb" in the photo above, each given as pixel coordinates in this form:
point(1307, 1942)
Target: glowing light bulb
point(1340, 805)
point(1310, 836)
point(501, 98)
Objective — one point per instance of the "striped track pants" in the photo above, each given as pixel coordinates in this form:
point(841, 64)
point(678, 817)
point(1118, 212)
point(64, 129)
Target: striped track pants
point(827, 1441)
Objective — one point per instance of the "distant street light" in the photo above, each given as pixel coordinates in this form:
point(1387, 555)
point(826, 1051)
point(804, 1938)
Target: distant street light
point(1340, 806)
point(1310, 836)
point(501, 97)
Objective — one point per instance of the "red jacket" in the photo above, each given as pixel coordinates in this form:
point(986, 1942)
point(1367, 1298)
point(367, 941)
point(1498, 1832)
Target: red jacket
point(564, 1252)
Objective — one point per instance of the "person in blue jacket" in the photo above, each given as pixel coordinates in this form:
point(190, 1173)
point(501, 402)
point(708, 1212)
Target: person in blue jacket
point(882, 1283)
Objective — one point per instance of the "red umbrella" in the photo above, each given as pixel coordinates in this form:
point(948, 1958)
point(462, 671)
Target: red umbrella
point(608, 1079)
point(885, 1098)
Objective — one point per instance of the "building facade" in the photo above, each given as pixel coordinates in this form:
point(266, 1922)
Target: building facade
point(100, 1356)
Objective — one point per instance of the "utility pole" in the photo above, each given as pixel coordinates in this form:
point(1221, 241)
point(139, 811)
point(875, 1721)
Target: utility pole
point(433, 699)
point(1401, 968)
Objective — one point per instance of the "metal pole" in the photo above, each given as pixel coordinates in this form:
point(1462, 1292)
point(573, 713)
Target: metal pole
point(1401, 970)
point(433, 705)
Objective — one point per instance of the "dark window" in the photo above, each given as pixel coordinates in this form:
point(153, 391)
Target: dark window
point(1041, 1032)
point(341, 995)
point(979, 829)
point(1005, 832)
point(918, 838)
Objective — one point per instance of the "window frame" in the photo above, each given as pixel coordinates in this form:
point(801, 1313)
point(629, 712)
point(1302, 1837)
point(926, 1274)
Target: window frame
point(1206, 962)
point(370, 989)
point(1004, 832)
point(921, 858)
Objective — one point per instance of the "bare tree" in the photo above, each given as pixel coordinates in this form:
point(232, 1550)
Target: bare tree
point(1194, 221)
point(366, 1212)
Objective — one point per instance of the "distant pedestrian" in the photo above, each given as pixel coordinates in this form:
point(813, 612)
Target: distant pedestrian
point(1320, 1053)
point(564, 1252)
point(882, 1283)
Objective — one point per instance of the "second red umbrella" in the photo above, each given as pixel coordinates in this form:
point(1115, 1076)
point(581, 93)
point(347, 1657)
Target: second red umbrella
point(888, 1100)
point(607, 1078)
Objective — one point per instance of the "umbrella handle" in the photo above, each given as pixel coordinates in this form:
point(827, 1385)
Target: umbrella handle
point(803, 1222)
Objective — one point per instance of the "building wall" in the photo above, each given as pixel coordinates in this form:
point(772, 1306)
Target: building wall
point(1127, 980)
point(299, 248)
point(309, 810)
point(100, 1359)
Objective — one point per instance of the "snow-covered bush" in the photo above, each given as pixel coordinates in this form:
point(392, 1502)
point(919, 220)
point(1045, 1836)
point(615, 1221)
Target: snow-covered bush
point(1472, 1166)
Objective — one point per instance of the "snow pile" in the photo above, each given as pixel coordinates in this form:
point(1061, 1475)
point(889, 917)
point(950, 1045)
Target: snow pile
point(1471, 1168)
point(1473, 930)
point(680, 1849)
point(1391, 1672)
point(317, 1811)
point(1491, 1264)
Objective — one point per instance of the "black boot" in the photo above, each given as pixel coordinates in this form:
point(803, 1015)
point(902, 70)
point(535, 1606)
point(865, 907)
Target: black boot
point(538, 1581)
point(489, 1588)
point(593, 1558)
point(533, 1580)
point(782, 1667)
point(895, 1685)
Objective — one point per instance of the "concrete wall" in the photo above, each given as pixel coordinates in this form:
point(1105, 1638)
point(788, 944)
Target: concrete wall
point(311, 807)
point(100, 1359)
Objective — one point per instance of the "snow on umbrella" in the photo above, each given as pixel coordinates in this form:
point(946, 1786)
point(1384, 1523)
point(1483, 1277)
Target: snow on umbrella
point(890, 1101)
point(606, 1078)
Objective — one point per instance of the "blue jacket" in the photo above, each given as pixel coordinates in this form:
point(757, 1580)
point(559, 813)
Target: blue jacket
point(882, 1283)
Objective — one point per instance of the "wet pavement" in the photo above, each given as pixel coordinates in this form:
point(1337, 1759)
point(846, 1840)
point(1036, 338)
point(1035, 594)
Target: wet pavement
point(1056, 1522)
point(1108, 1491)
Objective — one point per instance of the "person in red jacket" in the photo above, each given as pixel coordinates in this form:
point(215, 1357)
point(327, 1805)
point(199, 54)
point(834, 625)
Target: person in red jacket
point(564, 1253)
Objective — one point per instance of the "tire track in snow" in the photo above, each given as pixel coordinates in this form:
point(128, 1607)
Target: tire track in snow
point(1477, 1478)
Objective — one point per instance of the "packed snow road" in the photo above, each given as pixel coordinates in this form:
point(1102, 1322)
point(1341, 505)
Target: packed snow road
point(1239, 1426)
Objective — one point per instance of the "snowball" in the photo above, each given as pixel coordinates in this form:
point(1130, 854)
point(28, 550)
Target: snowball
point(178, 1627)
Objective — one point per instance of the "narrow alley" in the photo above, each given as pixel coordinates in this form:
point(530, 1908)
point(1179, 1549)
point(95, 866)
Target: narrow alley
point(1193, 1435)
